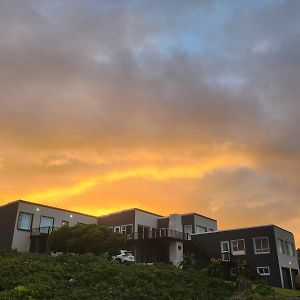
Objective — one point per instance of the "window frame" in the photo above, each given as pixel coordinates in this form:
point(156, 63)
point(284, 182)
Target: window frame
point(263, 274)
point(27, 213)
point(117, 227)
point(256, 252)
point(64, 223)
point(189, 226)
point(202, 227)
point(281, 246)
point(239, 252)
point(41, 227)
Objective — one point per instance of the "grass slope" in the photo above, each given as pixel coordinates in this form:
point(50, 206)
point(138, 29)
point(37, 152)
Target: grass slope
point(25, 276)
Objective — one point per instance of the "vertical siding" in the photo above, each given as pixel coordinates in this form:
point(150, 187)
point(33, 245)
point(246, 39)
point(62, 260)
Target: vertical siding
point(8, 215)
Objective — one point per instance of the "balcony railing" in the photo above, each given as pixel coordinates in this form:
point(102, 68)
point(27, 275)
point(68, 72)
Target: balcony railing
point(158, 234)
point(42, 230)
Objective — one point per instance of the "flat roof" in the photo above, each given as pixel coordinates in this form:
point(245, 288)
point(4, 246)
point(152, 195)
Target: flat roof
point(101, 216)
point(245, 228)
point(202, 216)
point(131, 209)
point(52, 207)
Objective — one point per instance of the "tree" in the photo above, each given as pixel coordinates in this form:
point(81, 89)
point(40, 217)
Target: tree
point(86, 238)
point(243, 273)
point(188, 262)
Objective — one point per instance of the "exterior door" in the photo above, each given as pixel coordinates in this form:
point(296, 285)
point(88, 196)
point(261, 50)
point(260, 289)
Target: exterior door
point(286, 276)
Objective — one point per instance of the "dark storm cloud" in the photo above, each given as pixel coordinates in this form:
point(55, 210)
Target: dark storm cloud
point(105, 76)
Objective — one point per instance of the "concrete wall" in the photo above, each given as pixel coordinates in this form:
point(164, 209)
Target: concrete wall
point(21, 238)
point(175, 252)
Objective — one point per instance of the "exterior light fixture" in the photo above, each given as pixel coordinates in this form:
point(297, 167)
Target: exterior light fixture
point(71, 216)
point(37, 209)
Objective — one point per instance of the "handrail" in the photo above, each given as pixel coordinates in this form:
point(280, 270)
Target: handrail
point(158, 234)
point(42, 230)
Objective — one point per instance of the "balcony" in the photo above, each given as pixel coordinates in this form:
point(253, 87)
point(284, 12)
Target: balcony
point(42, 231)
point(159, 234)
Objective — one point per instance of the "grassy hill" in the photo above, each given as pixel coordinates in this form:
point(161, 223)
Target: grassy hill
point(25, 276)
point(28, 276)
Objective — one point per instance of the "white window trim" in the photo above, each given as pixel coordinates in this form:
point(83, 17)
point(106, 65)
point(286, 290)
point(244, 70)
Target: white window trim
point(254, 245)
point(263, 274)
point(222, 243)
point(119, 227)
point(240, 252)
point(224, 254)
point(125, 226)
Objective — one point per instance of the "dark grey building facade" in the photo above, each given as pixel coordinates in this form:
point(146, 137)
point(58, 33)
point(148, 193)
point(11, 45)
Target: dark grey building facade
point(269, 250)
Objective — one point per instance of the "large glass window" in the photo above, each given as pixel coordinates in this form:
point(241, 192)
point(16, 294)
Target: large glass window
point(200, 229)
point(46, 224)
point(24, 221)
point(292, 249)
point(281, 246)
point(238, 247)
point(261, 245)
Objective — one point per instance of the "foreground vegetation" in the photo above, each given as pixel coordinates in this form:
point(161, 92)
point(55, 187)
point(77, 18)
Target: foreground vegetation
point(25, 276)
point(28, 276)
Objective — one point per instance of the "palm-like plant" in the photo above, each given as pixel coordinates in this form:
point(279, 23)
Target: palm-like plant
point(243, 273)
point(215, 269)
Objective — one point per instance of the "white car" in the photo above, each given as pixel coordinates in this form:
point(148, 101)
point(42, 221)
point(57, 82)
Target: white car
point(124, 257)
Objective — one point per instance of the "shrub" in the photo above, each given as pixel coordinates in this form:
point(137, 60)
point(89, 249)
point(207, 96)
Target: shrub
point(86, 238)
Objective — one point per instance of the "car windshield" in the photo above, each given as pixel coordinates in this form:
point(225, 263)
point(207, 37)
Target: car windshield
point(128, 253)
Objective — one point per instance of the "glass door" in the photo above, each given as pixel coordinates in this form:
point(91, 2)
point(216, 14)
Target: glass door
point(46, 225)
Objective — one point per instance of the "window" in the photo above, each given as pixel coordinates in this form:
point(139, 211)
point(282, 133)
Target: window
point(65, 223)
point(46, 224)
point(123, 229)
point(225, 250)
point(117, 229)
point(225, 246)
point(238, 247)
point(292, 249)
point(261, 245)
point(179, 247)
point(263, 271)
point(188, 229)
point(200, 229)
point(233, 272)
point(286, 246)
point(24, 221)
point(281, 247)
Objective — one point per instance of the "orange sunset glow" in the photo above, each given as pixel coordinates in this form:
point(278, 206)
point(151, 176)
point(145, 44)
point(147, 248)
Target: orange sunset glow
point(169, 107)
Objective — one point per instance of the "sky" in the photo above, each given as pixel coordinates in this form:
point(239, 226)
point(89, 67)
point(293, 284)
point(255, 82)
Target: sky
point(169, 106)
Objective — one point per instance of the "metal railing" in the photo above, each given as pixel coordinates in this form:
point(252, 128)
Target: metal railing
point(158, 234)
point(46, 230)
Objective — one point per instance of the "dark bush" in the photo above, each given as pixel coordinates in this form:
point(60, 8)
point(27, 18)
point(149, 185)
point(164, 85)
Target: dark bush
point(86, 238)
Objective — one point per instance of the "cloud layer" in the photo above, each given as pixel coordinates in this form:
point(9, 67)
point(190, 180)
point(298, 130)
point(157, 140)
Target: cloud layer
point(169, 106)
